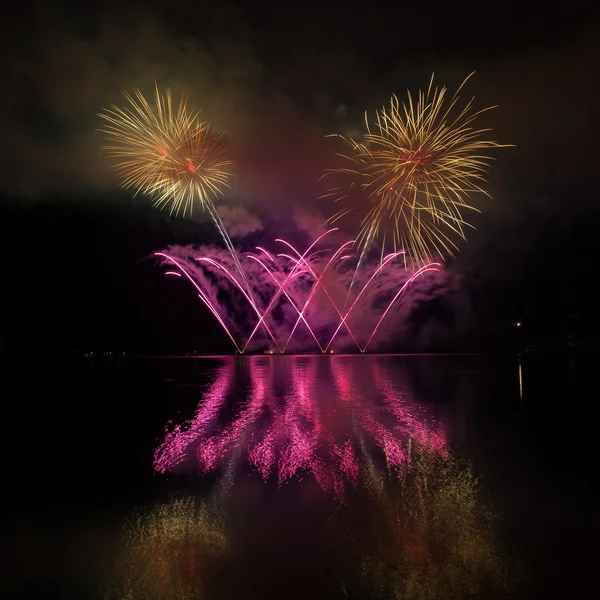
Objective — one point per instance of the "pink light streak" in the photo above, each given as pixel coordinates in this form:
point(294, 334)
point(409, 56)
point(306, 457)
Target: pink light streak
point(282, 277)
point(425, 269)
point(284, 283)
point(239, 286)
point(300, 315)
point(312, 292)
point(302, 417)
point(387, 259)
point(202, 295)
point(261, 249)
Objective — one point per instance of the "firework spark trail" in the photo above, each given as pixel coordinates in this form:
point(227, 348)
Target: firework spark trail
point(318, 282)
point(239, 287)
point(417, 166)
point(421, 271)
point(202, 295)
point(261, 249)
point(229, 244)
point(281, 289)
point(284, 283)
point(315, 286)
point(379, 269)
point(300, 315)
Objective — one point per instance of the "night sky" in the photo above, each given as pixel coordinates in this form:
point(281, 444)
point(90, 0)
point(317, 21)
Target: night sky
point(277, 77)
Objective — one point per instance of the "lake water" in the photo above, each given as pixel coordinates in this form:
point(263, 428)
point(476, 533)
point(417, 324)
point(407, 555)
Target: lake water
point(370, 476)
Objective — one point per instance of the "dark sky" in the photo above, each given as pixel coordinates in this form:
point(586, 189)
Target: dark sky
point(277, 77)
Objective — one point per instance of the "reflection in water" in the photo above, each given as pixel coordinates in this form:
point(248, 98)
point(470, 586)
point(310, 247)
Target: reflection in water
point(427, 536)
point(328, 416)
point(413, 523)
point(170, 551)
point(430, 536)
point(520, 378)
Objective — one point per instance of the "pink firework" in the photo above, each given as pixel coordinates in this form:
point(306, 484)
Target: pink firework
point(308, 290)
point(302, 416)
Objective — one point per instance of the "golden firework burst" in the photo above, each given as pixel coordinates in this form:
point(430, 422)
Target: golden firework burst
point(415, 170)
point(166, 152)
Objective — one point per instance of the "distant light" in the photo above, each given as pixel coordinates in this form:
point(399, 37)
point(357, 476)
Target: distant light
point(518, 324)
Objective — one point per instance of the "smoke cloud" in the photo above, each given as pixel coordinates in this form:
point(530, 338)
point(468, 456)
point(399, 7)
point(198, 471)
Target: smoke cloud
point(238, 222)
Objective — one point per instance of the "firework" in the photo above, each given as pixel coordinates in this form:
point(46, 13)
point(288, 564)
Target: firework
point(292, 280)
point(165, 152)
point(169, 154)
point(416, 170)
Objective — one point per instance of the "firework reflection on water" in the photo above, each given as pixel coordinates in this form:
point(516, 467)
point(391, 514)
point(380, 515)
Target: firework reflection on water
point(333, 418)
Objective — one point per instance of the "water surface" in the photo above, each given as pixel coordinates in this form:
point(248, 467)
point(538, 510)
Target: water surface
point(307, 468)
